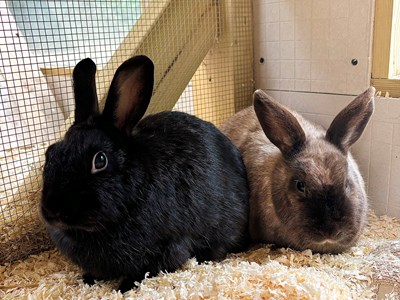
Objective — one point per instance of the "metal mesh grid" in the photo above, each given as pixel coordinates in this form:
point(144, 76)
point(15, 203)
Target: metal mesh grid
point(202, 51)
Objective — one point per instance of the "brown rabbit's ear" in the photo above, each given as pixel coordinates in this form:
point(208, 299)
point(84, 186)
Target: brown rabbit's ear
point(86, 104)
point(129, 94)
point(278, 124)
point(350, 123)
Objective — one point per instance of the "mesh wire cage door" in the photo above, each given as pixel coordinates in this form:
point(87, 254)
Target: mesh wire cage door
point(203, 57)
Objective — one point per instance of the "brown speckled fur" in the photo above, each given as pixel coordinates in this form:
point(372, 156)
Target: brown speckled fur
point(331, 214)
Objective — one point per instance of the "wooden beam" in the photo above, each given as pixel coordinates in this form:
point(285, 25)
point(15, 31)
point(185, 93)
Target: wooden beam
point(177, 42)
point(57, 71)
point(382, 38)
point(391, 86)
point(223, 84)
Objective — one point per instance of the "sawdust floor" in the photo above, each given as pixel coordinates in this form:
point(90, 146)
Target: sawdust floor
point(369, 270)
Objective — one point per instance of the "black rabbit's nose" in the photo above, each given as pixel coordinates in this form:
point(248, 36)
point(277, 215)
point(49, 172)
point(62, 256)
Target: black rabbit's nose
point(50, 214)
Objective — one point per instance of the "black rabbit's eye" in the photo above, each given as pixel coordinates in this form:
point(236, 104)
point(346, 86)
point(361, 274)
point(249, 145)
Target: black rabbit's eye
point(99, 162)
point(300, 186)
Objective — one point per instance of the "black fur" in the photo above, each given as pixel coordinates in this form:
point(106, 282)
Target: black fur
point(173, 189)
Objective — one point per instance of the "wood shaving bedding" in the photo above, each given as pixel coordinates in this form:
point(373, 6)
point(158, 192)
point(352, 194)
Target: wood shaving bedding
point(369, 270)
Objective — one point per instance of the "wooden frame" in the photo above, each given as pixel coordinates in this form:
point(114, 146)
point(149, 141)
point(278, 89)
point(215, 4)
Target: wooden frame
point(381, 49)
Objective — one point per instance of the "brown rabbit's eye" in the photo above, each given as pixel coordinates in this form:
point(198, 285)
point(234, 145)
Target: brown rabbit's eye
point(99, 162)
point(301, 187)
point(347, 185)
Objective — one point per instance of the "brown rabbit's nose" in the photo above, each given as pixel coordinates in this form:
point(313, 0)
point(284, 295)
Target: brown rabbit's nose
point(332, 233)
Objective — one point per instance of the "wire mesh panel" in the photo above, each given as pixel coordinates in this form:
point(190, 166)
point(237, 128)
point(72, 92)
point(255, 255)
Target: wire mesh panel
point(202, 51)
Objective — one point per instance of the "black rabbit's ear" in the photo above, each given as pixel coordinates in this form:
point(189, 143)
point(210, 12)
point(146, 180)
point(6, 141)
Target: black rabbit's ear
point(350, 123)
point(279, 124)
point(86, 104)
point(130, 93)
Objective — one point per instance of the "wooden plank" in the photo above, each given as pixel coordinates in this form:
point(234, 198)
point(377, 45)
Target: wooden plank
point(394, 66)
point(187, 47)
point(143, 28)
point(223, 84)
point(177, 42)
point(57, 71)
point(391, 86)
point(382, 38)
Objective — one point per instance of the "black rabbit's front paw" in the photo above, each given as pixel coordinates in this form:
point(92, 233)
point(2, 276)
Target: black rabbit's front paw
point(127, 284)
point(88, 278)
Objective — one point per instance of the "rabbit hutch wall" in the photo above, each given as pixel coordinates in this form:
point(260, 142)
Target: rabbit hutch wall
point(314, 56)
point(202, 52)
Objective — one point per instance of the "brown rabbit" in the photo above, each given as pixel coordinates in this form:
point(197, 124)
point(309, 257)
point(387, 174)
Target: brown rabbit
point(306, 191)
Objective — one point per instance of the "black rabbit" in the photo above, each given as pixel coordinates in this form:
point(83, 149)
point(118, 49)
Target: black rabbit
point(123, 197)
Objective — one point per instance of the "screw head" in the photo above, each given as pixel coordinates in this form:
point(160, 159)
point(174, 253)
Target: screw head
point(354, 61)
